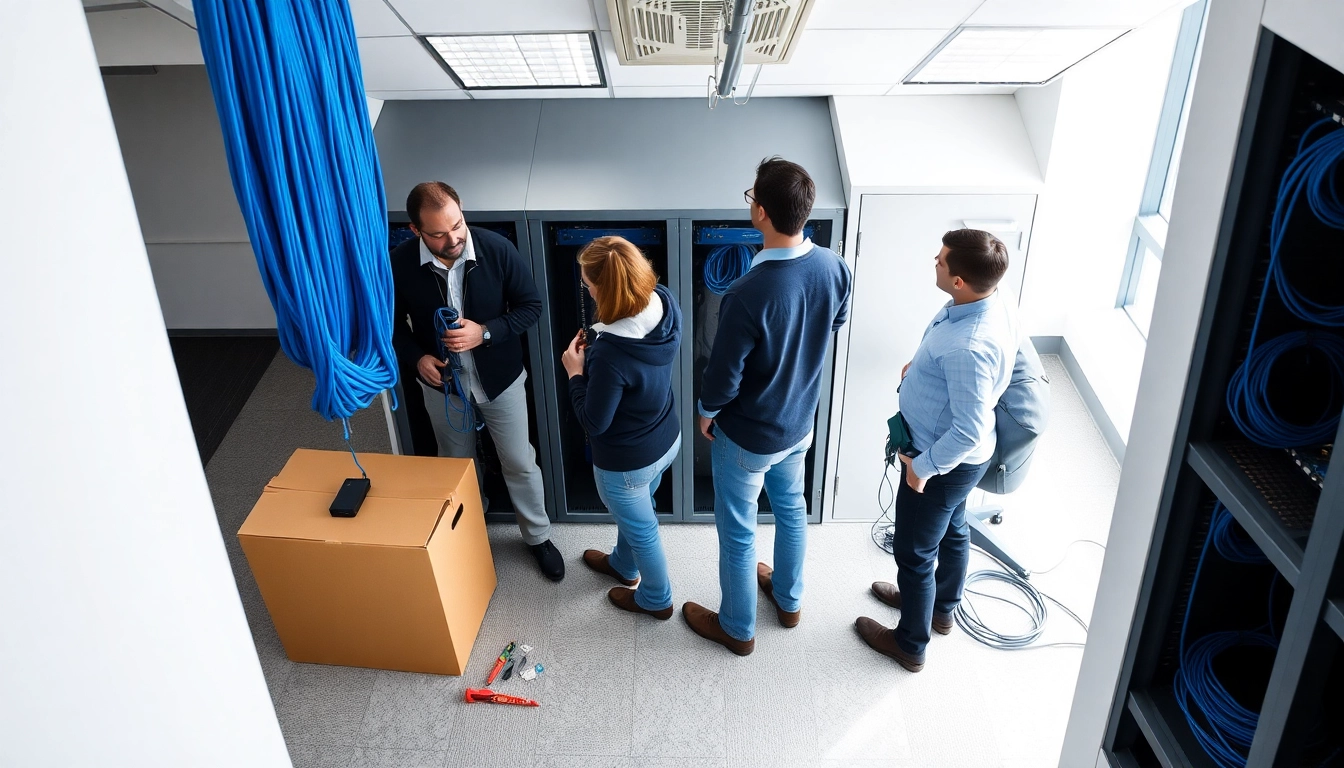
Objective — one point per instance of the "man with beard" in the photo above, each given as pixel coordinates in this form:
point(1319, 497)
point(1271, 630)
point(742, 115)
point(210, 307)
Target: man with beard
point(480, 379)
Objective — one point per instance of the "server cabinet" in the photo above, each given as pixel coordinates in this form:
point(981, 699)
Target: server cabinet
point(415, 435)
point(1233, 656)
point(558, 239)
point(707, 238)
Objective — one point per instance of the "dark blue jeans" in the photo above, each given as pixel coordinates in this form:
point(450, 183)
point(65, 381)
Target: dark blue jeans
point(931, 527)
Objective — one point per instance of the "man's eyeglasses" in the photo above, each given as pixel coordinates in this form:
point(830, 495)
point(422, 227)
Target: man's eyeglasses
point(748, 197)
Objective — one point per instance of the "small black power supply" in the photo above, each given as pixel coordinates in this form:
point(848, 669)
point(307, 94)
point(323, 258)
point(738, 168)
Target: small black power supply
point(350, 497)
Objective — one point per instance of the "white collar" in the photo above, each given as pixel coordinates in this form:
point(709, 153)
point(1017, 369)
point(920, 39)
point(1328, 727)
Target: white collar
point(638, 325)
point(468, 254)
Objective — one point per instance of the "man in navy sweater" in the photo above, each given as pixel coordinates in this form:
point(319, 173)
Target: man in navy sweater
point(759, 400)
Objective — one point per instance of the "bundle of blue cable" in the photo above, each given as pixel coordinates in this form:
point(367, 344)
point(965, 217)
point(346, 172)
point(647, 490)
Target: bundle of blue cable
point(1313, 171)
point(290, 97)
point(445, 319)
point(725, 264)
point(1221, 725)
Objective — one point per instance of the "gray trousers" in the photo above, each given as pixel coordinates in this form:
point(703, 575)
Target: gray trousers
point(506, 418)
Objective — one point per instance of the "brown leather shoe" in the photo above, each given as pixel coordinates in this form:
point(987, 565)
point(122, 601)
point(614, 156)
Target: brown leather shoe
point(887, 593)
point(765, 577)
point(625, 600)
point(705, 623)
point(601, 562)
point(883, 640)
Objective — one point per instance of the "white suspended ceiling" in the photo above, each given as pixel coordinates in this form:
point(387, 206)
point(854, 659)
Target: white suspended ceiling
point(847, 48)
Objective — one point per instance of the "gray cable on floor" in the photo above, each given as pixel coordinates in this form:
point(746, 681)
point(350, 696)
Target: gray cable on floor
point(1035, 609)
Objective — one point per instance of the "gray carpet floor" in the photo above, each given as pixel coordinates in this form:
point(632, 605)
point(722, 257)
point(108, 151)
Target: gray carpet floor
point(622, 691)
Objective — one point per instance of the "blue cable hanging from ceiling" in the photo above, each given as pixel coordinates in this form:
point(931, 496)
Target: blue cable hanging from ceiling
point(290, 96)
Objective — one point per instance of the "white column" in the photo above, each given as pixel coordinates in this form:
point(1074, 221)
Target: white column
point(121, 631)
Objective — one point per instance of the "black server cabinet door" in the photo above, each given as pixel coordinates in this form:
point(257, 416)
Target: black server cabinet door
point(719, 251)
point(570, 308)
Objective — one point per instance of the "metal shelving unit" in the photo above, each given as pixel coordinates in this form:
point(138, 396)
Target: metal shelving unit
point(1296, 522)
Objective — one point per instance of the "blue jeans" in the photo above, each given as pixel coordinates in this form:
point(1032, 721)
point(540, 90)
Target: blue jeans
point(738, 477)
point(931, 527)
point(639, 550)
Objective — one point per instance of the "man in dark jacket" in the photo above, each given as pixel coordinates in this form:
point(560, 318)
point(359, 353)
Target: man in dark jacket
point(472, 374)
point(759, 400)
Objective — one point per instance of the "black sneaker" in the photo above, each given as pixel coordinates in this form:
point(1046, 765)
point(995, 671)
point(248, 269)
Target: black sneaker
point(548, 560)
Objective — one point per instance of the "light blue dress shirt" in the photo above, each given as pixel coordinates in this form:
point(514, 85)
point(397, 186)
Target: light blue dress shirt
point(957, 376)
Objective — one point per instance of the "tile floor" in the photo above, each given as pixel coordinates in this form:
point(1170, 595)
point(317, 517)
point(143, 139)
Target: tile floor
point(622, 691)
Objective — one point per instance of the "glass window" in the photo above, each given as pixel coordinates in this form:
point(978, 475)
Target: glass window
point(1139, 284)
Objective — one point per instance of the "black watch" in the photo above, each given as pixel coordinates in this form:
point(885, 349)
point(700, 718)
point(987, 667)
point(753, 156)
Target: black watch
point(485, 335)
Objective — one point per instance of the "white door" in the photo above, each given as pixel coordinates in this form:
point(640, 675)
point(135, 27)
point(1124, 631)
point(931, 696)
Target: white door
point(894, 300)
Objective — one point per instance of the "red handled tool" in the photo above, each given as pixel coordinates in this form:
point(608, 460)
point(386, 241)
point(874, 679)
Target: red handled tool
point(475, 695)
point(499, 663)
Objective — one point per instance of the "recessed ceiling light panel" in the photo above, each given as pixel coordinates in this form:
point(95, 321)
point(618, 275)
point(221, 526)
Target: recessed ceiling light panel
point(559, 60)
point(1010, 55)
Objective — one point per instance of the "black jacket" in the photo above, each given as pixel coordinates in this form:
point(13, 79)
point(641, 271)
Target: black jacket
point(624, 399)
point(497, 292)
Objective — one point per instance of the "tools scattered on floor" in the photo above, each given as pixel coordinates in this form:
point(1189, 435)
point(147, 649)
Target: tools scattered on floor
point(475, 695)
point(506, 664)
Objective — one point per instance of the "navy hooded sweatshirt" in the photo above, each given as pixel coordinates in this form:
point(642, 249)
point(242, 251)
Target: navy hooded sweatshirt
point(624, 398)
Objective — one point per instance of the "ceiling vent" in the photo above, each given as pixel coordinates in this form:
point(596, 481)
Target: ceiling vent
point(691, 31)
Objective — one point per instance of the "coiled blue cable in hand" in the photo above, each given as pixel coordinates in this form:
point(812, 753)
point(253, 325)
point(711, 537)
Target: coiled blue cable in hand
point(289, 92)
point(1312, 170)
point(444, 319)
point(725, 264)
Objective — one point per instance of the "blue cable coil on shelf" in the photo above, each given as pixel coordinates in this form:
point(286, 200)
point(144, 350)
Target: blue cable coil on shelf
point(1313, 171)
point(290, 96)
point(726, 264)
point(1221, 725)
point(444, 320)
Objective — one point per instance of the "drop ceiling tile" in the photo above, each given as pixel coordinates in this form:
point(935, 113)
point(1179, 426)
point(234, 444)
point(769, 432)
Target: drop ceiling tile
point(661, 92)
point(374, 19)
point(626, 75)
point(417, 95)
point(889, 14)
point(401, 64)
point(436, 17)
point(931, 89)
point(1071, 13)
point(543, 93)
point(603, 14)
point(833, 89)
point(852, 57)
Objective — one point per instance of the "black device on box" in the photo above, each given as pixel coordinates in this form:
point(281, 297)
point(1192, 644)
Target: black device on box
point(350, 497)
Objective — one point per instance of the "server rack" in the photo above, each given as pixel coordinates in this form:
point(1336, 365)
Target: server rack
point(558, 237)
point(702, 232)
point(1287, 507)
point(414, 433)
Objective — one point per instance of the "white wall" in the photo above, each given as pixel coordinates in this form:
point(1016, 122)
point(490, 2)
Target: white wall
point(123, 637)
point(204, 268)
point(1230, 39)
point(1039, 107)
point(932, 144)
point(1099, 153)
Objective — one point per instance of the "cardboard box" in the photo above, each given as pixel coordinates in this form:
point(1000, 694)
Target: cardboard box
point(403, 585)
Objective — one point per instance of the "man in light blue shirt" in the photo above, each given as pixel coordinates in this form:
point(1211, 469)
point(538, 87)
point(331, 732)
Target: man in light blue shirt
point(947, 397)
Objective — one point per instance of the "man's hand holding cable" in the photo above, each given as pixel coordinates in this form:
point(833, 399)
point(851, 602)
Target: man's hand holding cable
point(470, 336)
point(911, 479)
point(431, 370)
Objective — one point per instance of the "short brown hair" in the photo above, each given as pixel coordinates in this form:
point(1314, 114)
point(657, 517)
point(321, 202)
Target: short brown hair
point(429, 194)
point(977, 257)
point(786, 193)
point(624, 277)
